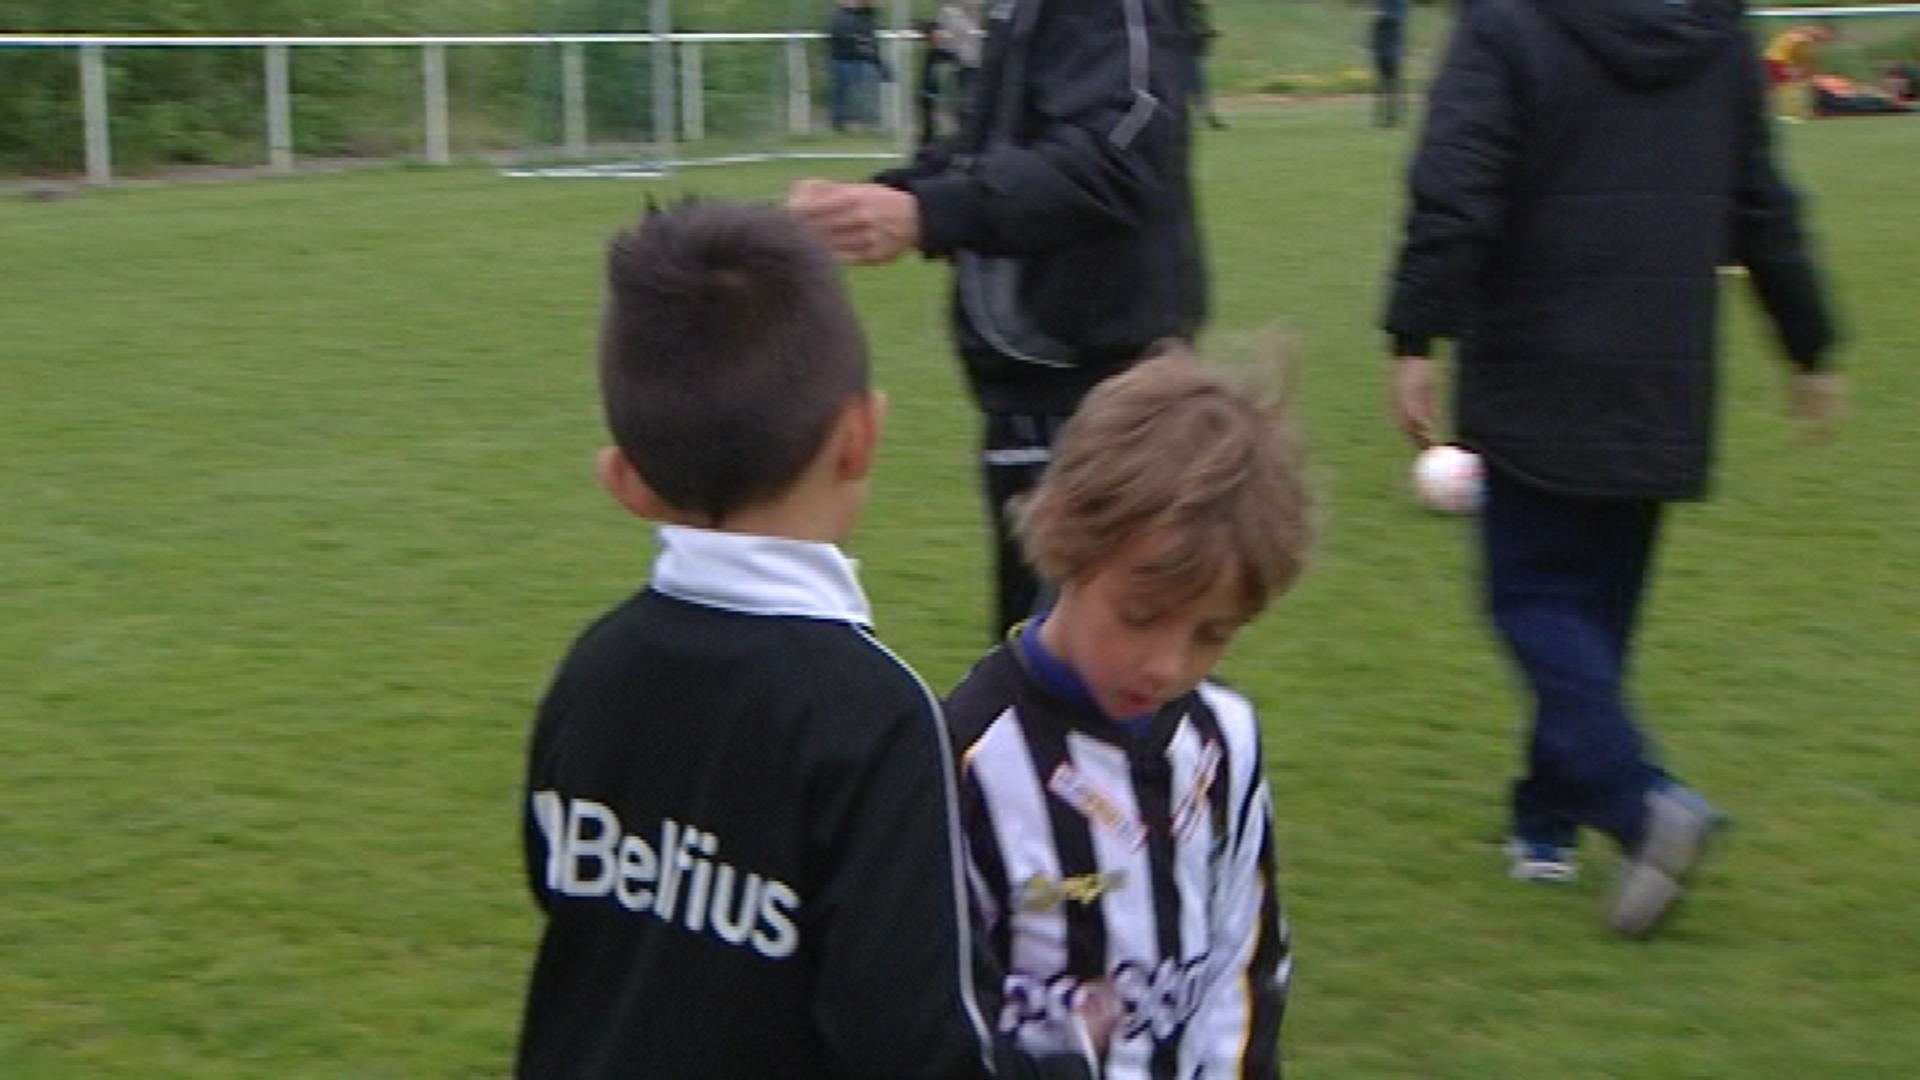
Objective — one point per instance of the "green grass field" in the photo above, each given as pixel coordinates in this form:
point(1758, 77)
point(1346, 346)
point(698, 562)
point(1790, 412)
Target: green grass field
point(298, 514)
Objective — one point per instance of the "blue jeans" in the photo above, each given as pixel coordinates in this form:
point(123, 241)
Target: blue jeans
point(849, 92)
point(1564, 581)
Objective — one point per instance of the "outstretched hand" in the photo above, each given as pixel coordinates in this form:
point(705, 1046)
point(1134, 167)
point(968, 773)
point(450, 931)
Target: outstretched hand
point(863, 224)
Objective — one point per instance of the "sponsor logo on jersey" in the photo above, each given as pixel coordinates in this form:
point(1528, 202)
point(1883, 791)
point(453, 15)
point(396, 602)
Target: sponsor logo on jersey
point(679, 879)
point(1086, 797)
point(1095, 805)
point(1187, 815)
point(1156, 1000)
point(1039, 892)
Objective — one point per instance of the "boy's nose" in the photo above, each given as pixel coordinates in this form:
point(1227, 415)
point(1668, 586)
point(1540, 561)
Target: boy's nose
point(1163, 664)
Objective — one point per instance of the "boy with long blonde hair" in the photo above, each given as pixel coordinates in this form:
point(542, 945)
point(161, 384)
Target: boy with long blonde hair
point(1116, 806)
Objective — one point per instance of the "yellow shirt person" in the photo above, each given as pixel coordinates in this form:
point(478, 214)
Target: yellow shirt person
point(1790, 59)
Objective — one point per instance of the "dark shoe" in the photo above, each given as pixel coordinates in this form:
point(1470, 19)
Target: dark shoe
point(1680, 827)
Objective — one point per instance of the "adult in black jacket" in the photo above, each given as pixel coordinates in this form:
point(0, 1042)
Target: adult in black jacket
point(1068, 195)
point(1584, 170)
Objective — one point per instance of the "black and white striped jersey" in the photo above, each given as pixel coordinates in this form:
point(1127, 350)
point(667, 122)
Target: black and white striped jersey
point(1142, 857)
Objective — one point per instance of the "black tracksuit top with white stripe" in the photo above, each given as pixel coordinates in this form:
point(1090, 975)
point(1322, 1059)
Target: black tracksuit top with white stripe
point(1142, 857)
point(741, 825)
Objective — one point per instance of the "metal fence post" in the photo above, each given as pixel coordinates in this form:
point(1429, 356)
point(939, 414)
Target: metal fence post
point(693, 105)
point(433, 59)
point(93, 96)
point(279, 109)
point(799, 89)
point(573, 98)
point(663, 109)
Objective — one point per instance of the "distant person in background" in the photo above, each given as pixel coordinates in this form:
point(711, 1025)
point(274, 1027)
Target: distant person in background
point(1834, 95)
point(1200, 32)
point(962, 33)
point(853, 50)
point(936, 86)
point(1792, 62)
point(1387, 41)
point(1901, 80)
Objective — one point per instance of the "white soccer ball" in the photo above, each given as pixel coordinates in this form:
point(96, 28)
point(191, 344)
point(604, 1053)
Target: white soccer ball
point(1448, 479)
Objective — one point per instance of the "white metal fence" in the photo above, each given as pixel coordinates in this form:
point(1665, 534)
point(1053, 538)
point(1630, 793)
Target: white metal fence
point(680, 99)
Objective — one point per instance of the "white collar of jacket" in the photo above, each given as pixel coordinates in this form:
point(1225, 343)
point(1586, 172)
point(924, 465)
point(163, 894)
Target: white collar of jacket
point(759, 575)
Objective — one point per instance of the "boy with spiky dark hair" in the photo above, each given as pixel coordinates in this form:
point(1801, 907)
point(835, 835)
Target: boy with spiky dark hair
point(740, 819)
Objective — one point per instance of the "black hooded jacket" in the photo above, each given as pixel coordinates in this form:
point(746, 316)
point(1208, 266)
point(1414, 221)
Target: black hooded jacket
point(1586, 167)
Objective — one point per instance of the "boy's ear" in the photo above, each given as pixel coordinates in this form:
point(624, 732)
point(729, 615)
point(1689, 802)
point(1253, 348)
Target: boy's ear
point(625, 484)
point(860, 434)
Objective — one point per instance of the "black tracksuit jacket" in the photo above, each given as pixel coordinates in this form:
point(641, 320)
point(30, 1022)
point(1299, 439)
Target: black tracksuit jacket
point(740, 824)
point(1091, 191)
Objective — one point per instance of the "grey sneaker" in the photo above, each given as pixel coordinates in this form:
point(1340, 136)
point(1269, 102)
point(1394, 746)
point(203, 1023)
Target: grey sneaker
point(1549, 864)
point(1680, 827)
